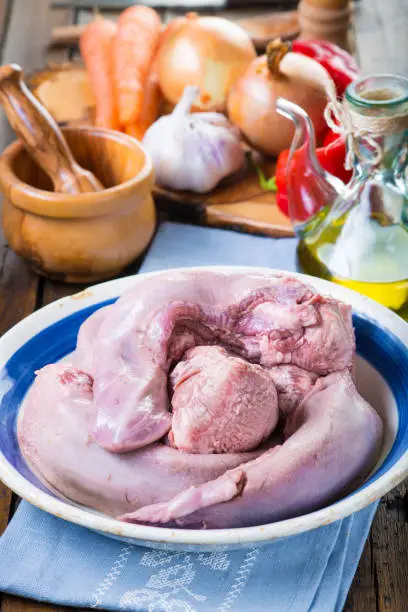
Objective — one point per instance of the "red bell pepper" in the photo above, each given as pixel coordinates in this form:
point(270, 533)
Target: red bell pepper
point(331, 157)
point(338, 63)
point(329, 137)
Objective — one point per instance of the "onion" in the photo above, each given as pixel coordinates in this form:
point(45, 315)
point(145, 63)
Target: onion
point(280, 73)
point(208, 52)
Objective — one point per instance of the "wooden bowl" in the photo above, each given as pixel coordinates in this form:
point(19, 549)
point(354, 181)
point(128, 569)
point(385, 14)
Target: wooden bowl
point(87, 237)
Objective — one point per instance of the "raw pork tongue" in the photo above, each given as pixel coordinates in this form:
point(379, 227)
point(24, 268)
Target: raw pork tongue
point(331, 440)
point(264, 318)
point(147, 328)
point(52, 432)
point(85, 354)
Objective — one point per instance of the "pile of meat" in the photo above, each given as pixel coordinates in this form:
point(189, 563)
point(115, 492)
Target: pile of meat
point(205, 399)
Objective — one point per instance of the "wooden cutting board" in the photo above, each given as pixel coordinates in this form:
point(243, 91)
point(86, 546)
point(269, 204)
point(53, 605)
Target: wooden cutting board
point(238, 202)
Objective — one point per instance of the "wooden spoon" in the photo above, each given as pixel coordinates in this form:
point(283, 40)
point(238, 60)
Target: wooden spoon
point(41, 135)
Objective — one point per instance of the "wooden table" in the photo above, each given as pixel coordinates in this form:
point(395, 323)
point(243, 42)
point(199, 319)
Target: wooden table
point(381, 582)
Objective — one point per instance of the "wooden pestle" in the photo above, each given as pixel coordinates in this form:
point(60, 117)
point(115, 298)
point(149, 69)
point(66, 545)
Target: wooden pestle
point(41, 135)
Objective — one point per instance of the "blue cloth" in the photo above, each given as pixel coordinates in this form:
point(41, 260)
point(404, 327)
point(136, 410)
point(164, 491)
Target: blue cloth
point(48, 559)
point(178, 245)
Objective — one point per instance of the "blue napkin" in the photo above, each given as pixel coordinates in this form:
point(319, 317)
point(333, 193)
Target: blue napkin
point(46, 558)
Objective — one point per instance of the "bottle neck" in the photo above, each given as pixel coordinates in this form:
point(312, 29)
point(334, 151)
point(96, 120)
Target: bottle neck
point(377, 111)
point(389, 156)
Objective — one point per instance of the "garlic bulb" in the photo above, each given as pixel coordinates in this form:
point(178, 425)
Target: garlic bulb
point(193, 151)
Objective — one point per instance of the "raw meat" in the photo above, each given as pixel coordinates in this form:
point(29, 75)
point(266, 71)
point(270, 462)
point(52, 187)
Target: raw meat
point(292, 383)
point(53, 437)
point(331, 440)
point(263, 318)
point(240, 351)
point(221, 403)
point(85, 353)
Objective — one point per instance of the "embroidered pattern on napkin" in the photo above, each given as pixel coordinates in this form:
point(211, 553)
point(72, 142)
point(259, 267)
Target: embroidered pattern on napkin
point(169, 588)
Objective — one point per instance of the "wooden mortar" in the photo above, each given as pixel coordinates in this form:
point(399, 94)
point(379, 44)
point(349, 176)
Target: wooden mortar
point(84, 237)
point(41, 135)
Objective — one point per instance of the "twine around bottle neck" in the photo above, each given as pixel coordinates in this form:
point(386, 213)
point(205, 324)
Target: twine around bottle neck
point(342, 119)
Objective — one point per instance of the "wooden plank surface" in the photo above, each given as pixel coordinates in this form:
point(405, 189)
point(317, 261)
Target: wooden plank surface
point(381, 582)
point(3, 18)
point(114, 4)
point(16, 604)
point(109, 5)
point(59, 18)
point(24, 43)
point(18, 285)
point(389, 543)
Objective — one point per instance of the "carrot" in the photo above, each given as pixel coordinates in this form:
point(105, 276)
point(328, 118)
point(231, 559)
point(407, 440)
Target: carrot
point(152, 94)
point(135, 44)
point(150, 106)
point(150, 102)
point(96, 46)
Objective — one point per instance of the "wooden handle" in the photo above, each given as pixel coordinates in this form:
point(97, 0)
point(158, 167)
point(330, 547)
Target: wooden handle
point(41, 135)
point(66, 36)
point(329, 4)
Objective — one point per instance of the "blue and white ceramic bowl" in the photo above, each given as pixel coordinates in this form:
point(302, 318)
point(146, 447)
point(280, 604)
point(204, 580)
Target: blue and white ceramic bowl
point(50, 335)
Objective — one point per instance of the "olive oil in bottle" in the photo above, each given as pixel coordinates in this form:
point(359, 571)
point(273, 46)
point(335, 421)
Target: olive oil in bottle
point(381, 274)
point(357, 234)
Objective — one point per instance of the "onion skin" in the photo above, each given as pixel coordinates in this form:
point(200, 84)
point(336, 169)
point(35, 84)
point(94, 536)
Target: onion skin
point(252, 106)
point(208, 52)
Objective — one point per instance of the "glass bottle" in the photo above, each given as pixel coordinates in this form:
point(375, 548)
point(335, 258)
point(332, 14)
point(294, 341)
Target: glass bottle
point(357, 234)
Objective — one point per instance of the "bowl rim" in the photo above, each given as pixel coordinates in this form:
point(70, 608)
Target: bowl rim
point(65, 205)
point(237, 536)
